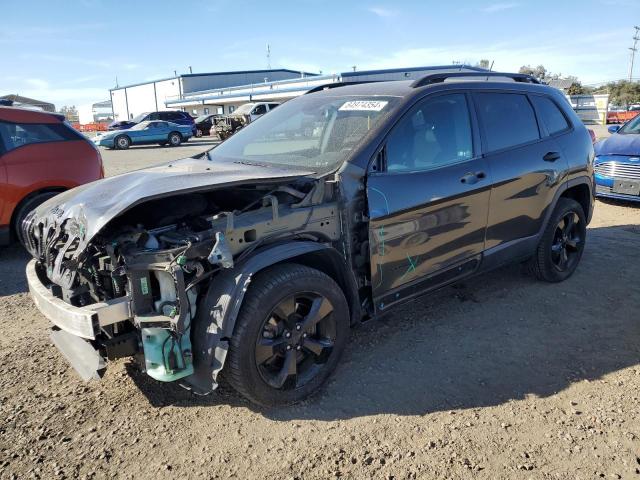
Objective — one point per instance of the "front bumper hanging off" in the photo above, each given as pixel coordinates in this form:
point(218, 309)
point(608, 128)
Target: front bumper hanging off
point(76, 326)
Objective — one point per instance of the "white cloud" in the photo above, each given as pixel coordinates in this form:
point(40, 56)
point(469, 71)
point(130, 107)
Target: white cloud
point(499, 7)
point(382, 12)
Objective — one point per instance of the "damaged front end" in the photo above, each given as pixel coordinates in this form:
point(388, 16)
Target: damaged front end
point(126, 276)
point(227, 125)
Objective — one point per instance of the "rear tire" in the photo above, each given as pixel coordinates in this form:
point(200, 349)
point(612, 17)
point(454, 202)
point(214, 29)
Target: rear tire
point(562, 243)
point(175, 139)
point(24, 210)
point(122, 142)
point(292, 328)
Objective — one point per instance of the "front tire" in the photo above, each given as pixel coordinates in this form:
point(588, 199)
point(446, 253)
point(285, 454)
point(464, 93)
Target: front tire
point(122, 142)
point(292, 328)
point(25, 209)
point(175, 139)
point(562, 243)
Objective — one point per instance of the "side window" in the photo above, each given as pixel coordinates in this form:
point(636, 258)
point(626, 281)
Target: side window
point(232, 108)
point(206, 111)
point(153, 116)
point(273, 105)
point(260, 110)
point(16, 135)
point(434, 133)
point(550, 114)
point(507, 118)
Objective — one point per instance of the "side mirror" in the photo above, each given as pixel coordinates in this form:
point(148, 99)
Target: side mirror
point(613, 128)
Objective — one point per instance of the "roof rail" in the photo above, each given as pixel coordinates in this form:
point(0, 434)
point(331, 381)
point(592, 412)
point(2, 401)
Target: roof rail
point(327, 86)
point(441, 77)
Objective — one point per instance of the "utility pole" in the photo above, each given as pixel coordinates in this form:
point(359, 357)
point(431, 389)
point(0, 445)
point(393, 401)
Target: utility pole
point(634, 49)
point(268, 57)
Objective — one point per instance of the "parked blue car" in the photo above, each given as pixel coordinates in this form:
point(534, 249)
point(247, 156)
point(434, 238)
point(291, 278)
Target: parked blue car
point(617, 163)
point(145, 133)
point(174, 116)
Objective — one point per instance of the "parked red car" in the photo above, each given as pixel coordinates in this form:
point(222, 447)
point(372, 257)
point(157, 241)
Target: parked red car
point(40, 156)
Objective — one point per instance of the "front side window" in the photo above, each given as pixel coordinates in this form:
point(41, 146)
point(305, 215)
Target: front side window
point(434, 133)
point(315, 132)
point(16, 135)
point(273, 105)
point(507, 118)
point(550, 114)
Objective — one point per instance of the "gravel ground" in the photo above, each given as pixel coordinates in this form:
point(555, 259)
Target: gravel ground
point(500, 378)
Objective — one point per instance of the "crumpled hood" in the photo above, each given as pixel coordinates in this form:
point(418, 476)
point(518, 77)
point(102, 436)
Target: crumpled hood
point(619, 144)
point(93, 205)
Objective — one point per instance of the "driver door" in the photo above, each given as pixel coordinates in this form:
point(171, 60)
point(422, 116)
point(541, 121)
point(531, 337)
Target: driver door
point(428, 200)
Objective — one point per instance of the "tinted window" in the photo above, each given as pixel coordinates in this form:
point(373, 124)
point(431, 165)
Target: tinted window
point(273, 105)
point(434, 133)
point(550, 114)
point(16, 135)
point(260, 110)
point(154, 116)
point(507, 118)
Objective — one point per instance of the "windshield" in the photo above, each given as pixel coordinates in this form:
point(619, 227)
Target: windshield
point(139, 118)
point(309, 131)
point(632, 127)
point(201, 118)
point(140, 126)
point(243, 109)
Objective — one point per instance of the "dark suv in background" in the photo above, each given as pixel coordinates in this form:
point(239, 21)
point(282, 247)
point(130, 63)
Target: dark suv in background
point(174, 116)
point(255, 257)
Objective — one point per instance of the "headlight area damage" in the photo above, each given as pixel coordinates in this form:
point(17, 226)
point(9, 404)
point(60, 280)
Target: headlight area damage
point(127, 276)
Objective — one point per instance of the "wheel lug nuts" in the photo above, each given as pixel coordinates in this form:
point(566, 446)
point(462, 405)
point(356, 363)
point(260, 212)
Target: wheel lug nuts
point(288, 347)
point(288, 335)
point(298, 347)
point(298, 327)
point(304, 335)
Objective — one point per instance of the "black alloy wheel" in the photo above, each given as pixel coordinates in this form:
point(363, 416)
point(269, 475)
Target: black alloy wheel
point(296, 341)
point(567, 240)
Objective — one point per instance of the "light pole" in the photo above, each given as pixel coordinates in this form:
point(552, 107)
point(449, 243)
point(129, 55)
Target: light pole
point(633, 49)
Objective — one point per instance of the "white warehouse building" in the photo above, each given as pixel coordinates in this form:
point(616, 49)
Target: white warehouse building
point(225, 100)
point(131, 100)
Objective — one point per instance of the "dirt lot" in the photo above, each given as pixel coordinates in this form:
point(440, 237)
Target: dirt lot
point(500, 378)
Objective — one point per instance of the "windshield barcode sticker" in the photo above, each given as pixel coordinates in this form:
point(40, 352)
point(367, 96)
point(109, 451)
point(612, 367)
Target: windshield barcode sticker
point(363, 105)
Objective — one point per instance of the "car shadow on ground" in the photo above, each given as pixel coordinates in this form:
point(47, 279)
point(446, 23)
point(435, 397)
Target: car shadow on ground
point(13, 261)
point(487, 341)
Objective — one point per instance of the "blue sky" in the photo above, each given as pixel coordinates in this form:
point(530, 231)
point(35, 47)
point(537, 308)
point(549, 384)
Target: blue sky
point(71, 52)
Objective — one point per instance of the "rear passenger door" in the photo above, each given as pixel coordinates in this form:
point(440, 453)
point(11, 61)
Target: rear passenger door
point(526, 165)
point(428, 200)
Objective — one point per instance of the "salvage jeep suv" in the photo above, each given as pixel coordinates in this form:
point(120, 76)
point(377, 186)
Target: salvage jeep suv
point(254, 258)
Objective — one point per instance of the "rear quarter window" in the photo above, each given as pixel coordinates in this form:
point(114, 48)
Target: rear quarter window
point(15, 135)
point(550, 115)
point(508, 120)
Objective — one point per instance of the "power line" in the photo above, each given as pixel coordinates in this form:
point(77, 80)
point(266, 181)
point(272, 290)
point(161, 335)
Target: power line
point(633, 49)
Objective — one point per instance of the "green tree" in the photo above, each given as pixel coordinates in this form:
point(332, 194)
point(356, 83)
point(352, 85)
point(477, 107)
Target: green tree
point(624, 92)
point(576, 88)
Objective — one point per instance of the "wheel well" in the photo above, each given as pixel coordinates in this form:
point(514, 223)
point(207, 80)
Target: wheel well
point(31, 195)
point(331, 263)
point(581, 194)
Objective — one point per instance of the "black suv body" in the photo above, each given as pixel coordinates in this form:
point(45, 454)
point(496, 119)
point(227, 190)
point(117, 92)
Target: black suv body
point(258, 255)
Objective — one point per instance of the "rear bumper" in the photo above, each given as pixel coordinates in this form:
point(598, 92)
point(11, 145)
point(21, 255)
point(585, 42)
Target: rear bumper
point(84, 322)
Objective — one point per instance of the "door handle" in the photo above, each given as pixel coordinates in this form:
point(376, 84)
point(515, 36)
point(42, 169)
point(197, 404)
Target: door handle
point(472, 177)
point(551, 157)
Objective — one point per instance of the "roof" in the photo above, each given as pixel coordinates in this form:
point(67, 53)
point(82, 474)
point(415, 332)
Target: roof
point(214, 74)
point(25, 115)
point(445, 68)
point(30, 101)
point(561, 83)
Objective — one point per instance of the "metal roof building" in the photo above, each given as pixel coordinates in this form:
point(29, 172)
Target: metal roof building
point(217, 100)
point(131, 100)
point(46, 106)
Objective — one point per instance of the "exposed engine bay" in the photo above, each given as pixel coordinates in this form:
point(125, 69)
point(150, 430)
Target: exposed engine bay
point(160, 256)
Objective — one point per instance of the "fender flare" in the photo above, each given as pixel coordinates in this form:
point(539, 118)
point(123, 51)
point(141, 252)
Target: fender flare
point(582, 180)
point(218, 310)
